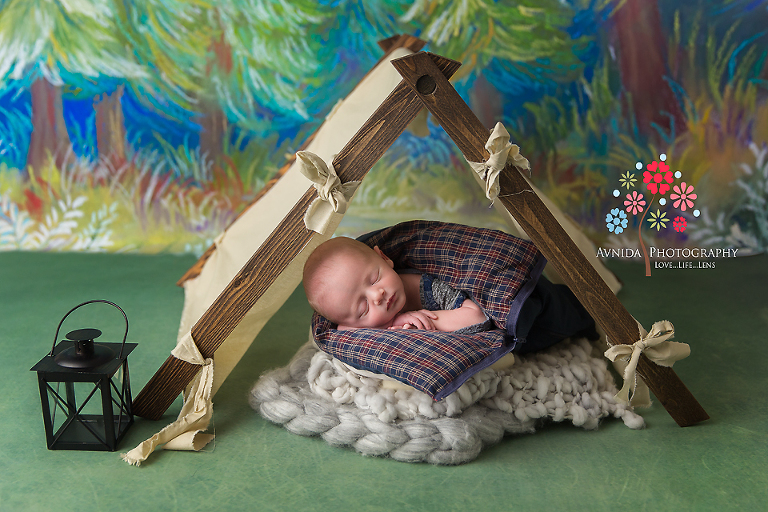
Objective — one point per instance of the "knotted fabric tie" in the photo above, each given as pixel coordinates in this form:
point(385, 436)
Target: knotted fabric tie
point(502, 152)
point(186, 432)
point(657, 347)
point(333, 194)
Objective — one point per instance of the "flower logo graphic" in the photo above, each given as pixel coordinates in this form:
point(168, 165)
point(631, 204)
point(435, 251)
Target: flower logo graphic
point(658, 177)
point(683, 197)
point(679, 223)
point(616, 221)
point(634, 202)
point(658, 220)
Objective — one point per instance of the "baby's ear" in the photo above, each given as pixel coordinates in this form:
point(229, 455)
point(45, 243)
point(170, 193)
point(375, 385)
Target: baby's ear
point(383, 256)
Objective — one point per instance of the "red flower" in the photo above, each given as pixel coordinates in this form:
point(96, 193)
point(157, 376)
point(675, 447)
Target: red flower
point(679, 223)
point(657, 173)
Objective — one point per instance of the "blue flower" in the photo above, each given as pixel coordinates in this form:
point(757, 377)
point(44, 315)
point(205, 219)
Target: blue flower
point(616, 221)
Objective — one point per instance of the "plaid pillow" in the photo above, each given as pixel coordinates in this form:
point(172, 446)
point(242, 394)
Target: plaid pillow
point(496, 269)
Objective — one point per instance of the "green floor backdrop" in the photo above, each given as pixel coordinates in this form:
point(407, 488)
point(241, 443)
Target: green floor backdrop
point(717, 465)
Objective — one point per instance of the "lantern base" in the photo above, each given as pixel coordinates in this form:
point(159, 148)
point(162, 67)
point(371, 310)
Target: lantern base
point(79, 434)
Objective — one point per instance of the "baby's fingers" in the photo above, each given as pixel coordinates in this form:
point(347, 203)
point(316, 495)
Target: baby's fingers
point(424, 320)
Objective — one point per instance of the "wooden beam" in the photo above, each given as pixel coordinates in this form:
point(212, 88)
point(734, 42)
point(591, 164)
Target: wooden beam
point(413, 43)
point(466, 130)
point(278, 250)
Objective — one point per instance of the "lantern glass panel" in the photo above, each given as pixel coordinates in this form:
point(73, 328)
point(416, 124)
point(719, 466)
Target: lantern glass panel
point(121, 401)
point(57, 406)
point(77, 416)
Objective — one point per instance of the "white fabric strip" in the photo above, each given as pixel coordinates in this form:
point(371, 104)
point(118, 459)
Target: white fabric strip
point(502, 152)
point(186, 433)
point(657, 347)
point(333, 195)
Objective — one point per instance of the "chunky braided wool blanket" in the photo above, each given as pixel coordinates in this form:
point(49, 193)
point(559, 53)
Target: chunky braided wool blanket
point(317, 395)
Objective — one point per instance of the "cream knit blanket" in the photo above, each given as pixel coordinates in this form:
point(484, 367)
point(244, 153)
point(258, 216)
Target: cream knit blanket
point(318, 395)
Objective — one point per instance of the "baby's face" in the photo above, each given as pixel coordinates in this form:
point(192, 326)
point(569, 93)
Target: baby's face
point(366, 292)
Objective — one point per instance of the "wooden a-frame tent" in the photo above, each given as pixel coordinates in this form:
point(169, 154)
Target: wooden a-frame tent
point(424, 83)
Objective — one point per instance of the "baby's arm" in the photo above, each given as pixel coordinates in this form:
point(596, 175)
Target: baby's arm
point(421, 319)
point(442, 320)
point(454, 319)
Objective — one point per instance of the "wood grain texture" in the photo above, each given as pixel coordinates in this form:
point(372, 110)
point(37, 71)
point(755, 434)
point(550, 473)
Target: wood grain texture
point(278, 250)
point(389, 45)
point(413, 43)
point(526, 207)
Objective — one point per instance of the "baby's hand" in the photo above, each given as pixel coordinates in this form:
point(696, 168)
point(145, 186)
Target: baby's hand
point(421, 319)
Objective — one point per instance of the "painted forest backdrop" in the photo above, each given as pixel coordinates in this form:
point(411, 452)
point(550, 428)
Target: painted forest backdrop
point(147, 125)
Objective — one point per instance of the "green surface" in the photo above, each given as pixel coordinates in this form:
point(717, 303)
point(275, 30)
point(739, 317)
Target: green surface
point(255, 465)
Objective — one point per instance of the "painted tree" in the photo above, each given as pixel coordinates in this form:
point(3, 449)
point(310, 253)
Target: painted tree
point(261, 58)
point(170, 39)
point(355, 28)
point(637, 32)
point(476, 32)
point(230, 62)
point(48, 45)
point(253, 65)
point(527, 36)
point(157, 37)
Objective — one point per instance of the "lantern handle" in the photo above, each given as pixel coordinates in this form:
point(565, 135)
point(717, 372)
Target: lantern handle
point(56, 337)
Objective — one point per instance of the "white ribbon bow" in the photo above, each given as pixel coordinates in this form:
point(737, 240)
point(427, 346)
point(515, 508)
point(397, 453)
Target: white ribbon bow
point(186, 432)
point(657, 347)
point(333, 195)
point(502, 152)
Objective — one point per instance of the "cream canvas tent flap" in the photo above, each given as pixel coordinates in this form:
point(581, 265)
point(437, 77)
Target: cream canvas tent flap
point(257, 262)
point(244, 237)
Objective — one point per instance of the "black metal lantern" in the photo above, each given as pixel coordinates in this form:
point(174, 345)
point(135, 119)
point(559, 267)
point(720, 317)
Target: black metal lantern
point(93, 410)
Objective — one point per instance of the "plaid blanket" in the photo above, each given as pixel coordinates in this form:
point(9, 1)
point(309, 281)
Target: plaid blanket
point(496, 269)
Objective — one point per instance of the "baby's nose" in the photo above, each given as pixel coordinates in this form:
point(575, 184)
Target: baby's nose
point(378, 296)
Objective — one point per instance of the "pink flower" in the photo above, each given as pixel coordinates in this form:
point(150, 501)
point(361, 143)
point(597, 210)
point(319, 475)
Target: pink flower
point(657, 173)
point(679, 223)
point(634, 202)
point(683, 196)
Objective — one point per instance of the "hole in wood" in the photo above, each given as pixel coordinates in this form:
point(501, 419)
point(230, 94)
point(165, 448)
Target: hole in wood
point(426, 85)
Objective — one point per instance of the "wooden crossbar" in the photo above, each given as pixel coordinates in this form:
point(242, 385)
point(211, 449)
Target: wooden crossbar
point(284, 243)
point(469, 134)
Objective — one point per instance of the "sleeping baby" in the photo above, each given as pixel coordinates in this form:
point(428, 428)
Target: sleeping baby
point(354, 286)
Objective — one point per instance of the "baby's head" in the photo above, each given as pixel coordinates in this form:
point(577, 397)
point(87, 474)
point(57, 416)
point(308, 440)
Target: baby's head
point(353, 285)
